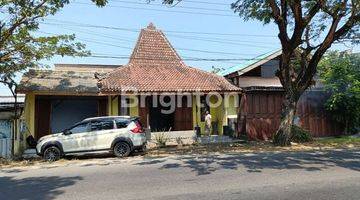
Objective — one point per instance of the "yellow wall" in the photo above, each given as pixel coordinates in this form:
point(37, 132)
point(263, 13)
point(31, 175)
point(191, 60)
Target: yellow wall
point(218, 113)
point(28, 117)
point(29, 114)
point(196, 113)
point(134, 111)
point(113, 107)
point(232, 108)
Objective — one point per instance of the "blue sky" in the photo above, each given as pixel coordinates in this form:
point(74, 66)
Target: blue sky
point(219, 32)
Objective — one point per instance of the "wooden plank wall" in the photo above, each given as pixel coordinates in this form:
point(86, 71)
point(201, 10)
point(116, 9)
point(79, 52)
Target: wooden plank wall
point(313, 116)
point(42, 117)
point(183, 119)
point(262, 109)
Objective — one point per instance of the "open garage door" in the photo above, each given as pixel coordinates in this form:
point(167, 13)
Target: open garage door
point(65, 113)
point(54, 114)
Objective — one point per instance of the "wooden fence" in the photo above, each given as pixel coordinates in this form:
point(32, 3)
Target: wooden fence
point(261, 114)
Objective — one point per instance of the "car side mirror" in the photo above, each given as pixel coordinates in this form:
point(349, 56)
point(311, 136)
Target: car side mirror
point(67, 132)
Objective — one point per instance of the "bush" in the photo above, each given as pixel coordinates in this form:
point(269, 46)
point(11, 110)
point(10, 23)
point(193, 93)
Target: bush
point(300, 135)
point(161, 139)
point(340, 74)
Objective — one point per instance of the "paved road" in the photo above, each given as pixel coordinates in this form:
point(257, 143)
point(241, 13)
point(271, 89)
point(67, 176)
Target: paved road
point(308, 175)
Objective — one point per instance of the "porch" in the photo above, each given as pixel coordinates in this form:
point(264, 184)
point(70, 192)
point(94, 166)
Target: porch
point(168, 112)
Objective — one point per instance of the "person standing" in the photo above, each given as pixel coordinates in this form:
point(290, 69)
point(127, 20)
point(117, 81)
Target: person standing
point(207, 123)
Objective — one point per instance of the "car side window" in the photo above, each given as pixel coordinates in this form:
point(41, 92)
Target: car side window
point(121, 123)
point(80, 128)
point(102, 125)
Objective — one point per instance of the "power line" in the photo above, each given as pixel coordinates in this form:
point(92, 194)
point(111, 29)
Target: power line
point(199, 38)
point(215, 40)
point(207, 39)
point(92, 41)
point(99, 55)
point(71, 23)
point(205, 2)
point(233, 42)
point(102, 35)
point(177, 48)
point(169, 11)
point(162, 5)
point(193, 1)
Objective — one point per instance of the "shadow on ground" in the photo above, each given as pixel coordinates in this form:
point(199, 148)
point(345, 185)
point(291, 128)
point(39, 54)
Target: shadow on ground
point(256, 163)
point(34, 188)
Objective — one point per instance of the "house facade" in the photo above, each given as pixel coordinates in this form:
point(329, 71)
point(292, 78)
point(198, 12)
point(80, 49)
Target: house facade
point(10, 126)
point(261, 103)
point(155, 85)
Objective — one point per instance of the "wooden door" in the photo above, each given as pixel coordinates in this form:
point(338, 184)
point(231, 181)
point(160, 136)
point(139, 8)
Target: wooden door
point(143, 111)
point(42, 117)
point(183, 116)
point(103, 107)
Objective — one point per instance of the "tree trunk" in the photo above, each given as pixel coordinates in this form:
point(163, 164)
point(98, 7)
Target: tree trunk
point(283, 134)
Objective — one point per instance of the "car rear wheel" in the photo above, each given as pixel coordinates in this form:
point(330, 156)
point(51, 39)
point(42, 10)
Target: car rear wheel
point(122, 149)
point(52, 154)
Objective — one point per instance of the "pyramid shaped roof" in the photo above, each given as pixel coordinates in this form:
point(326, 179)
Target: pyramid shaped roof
point(155, 66)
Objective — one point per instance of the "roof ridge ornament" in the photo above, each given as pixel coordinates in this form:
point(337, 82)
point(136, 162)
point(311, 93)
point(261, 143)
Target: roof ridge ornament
point(151, 26)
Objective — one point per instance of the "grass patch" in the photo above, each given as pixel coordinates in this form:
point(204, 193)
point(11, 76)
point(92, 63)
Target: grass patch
point(241, 147)
point(339, 141)
point(18, 162)
point(300, 135)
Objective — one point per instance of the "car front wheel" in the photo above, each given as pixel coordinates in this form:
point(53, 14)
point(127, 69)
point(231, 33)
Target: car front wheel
point(121, 149)
point(52, 154)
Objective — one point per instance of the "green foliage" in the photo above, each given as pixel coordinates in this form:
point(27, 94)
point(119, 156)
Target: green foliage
point(307, 29)
point(340, 72)
point(20, 48)
point(300, 135)
point(216, 70)
point(161, 139)
point(248, 9)
point(340, 140)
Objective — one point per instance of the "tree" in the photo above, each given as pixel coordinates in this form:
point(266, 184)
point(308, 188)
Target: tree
point(20, 48)
point(216, 70)
point(340, 73)
point(307, 29)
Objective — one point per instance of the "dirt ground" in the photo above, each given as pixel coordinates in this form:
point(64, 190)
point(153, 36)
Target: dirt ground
point(346, 142)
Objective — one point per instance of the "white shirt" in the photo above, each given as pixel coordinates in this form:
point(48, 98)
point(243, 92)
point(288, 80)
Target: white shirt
point(208, 120)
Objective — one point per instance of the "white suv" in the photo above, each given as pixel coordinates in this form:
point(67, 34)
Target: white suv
point(119, 135)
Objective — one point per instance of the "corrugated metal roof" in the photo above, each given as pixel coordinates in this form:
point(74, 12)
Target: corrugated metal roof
point(252, 63)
